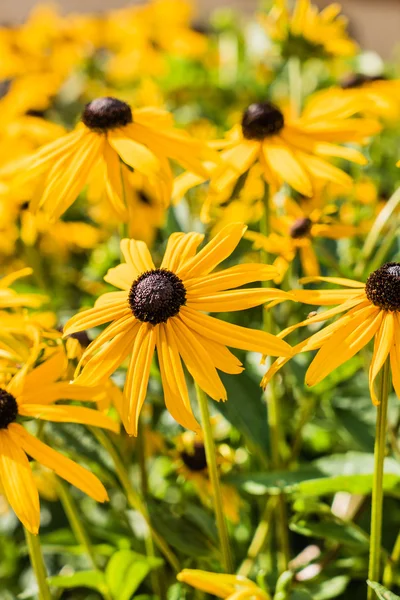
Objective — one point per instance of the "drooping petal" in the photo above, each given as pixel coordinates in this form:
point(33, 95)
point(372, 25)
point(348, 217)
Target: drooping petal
point(60, 464)
point(107, 360)
point(383, 344)
point(134, 154)
point(283, 161)
point(345, 343)
point(49, 371)
point(17, 480)
point(234, 336)
point(174, 385)
point(395, 355)
point(138, 377)
point(196, 359)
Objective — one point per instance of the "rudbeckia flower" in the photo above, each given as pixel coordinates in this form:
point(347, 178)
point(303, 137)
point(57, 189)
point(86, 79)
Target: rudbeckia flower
point(376, 95)
point(33, 395)
point(372, 311)
point(110, 135)
point(164, 308)
point(230, 587)
point(293, 150)
point(191, 464)
point(295, 232)
point(306, 33)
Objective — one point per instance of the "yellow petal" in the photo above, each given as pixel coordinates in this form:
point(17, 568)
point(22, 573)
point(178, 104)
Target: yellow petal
point(134, 154)
point(180, 248)
point(231, 278)
point(234, 336)
point(137, 377)
point(173, 380)
point(60, 464)
point(344, 343)
point(68, 414)
point(217, 250)
point(382, 346)
point(233, 300)
point(137, 254)
point(96, 316)
point(17, 480)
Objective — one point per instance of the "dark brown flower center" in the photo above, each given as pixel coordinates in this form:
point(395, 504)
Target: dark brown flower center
point(8, 409)
point(300, 228)
point(261, 120)
point(195, 460)
point(356, 80)
point(383, 287)
point(106, 113)
point(156, 296)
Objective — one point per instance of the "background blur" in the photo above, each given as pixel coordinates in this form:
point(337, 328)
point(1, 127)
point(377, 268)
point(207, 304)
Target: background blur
point(374, 23)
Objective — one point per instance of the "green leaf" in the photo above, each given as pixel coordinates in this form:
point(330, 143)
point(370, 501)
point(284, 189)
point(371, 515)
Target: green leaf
point(90, 579)
point(351, 472)
point(125, 572)
point(300, 594)
point(382, 592)
point(329, 589)
point(339, 532)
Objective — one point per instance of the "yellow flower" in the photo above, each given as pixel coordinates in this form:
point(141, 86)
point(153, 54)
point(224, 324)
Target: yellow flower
point(293, 150)
point(376, 96)
point(108, 134)
point(163, 307)
point(33, 395)
point(191, 464)
point(295, 231)
point(230, 587)
point(142, 37)
point(372, 310)
point(307, 33)
point(12, 299)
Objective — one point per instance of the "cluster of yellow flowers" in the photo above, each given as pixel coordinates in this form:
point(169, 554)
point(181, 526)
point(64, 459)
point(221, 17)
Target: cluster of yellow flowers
point(286, 175)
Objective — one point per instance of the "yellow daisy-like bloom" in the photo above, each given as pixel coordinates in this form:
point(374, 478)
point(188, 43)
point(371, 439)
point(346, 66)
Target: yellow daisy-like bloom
point(307, 33)
point(293, 150)
point(377, 96)
point(191, 464)
point(164, 308)
point(372, 310)
point(295, 231)
point(230, 587)
point(108, 134)
point(33, 395)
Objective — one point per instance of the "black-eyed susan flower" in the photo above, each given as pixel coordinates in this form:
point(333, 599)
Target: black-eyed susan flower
point(305, 33)
point(164, 308)
point(295, 232)
point(293, 150)
point(376, 95)
point(109, 134)
point(372, 311)
point(230, 587)
point(33, 395)
point(191, 465)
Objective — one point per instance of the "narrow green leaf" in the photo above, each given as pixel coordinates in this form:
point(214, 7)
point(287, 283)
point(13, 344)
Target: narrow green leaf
point(90, 579)
point(382, 592)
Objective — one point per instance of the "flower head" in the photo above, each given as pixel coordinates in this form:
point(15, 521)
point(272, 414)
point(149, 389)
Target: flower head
point(113, 137)
point(371, 311)
point(292, 150)
point(307, 33)
point(164, 308)
point(33, 395)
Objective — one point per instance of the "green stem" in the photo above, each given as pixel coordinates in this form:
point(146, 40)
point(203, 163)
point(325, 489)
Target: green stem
point(133, 497)
point(374, 569)
point(295, 85)
point(36, 557)
point(274, 422)
point(260, 536)
point(75, 521)
point(394, 559)
point(214, 479)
